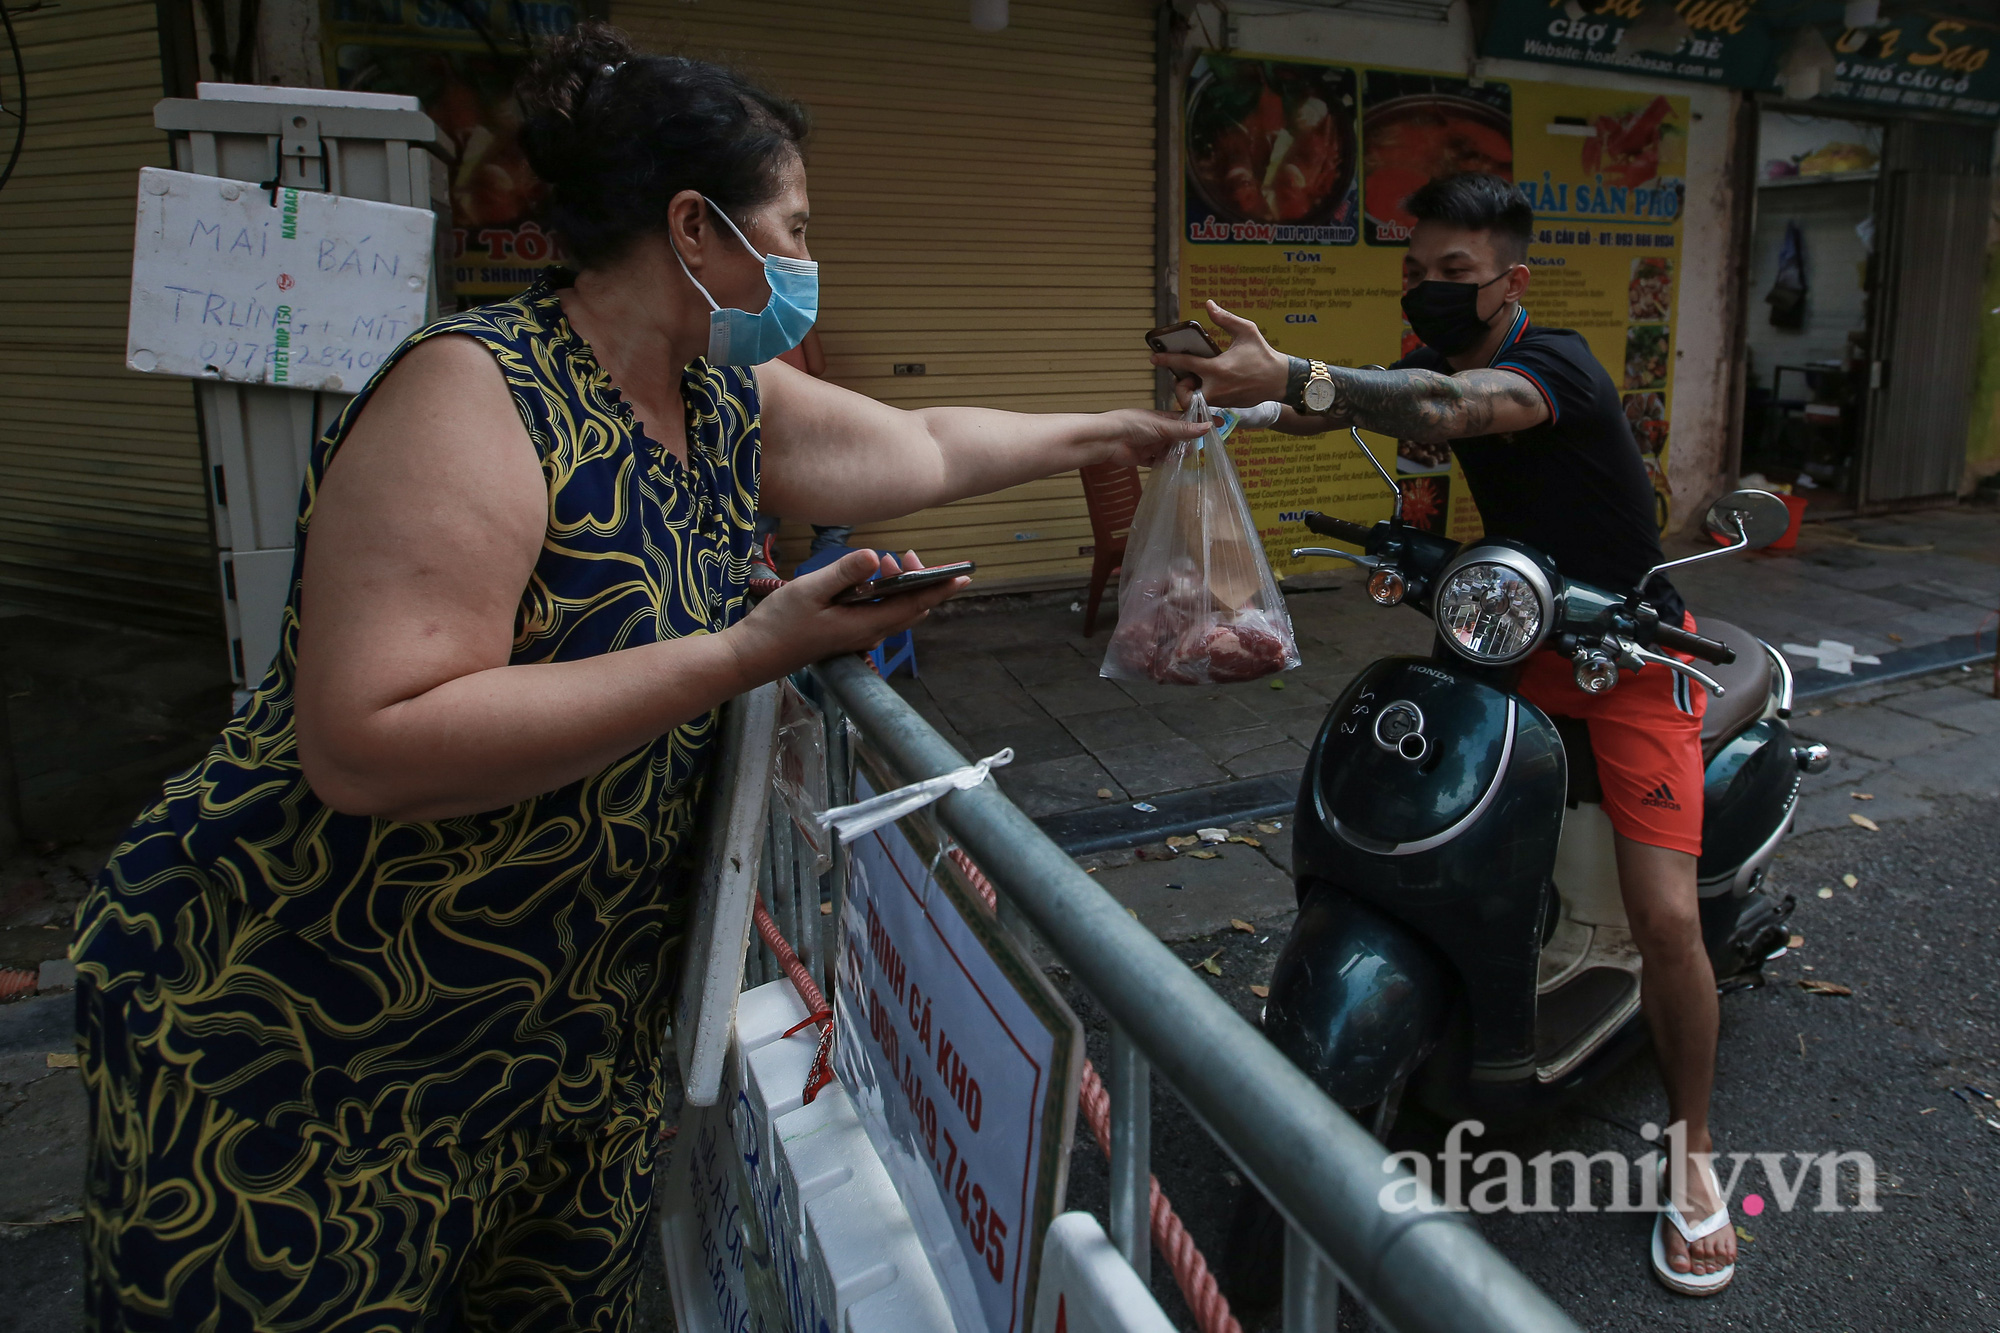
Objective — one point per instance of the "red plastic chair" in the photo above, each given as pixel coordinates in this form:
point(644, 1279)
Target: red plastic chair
point(1111, 493)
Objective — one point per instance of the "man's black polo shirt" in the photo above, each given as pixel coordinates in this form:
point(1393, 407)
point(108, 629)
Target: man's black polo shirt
point(1573, 487)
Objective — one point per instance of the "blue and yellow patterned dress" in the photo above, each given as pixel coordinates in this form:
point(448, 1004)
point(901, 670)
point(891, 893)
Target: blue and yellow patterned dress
point(464, 989)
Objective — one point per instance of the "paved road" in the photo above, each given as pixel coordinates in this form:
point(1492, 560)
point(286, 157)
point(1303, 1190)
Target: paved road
point(1915, 939)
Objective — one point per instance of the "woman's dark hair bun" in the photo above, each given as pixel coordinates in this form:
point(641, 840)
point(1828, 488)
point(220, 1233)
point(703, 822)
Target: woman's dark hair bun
point(615, 134)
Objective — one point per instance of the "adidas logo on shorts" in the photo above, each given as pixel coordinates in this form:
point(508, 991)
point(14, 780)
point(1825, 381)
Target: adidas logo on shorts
point(1661, 796)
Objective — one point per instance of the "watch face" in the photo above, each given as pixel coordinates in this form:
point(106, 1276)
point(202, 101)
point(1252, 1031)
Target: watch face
point(1318, 394)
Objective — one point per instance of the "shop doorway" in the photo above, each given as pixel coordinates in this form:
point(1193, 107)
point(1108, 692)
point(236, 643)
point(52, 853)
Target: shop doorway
point(1862, 317)
point(1808, 314)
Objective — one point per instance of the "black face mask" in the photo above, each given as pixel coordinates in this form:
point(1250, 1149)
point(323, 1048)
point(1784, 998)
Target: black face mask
point(1446, 314)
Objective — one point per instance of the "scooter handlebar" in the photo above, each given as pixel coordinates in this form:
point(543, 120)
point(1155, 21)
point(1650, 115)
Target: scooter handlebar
point(1680, 641)
point(1337, 528)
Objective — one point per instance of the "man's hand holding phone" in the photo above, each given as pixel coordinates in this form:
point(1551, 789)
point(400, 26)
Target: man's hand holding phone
point(1248, 372)
point(806, 620)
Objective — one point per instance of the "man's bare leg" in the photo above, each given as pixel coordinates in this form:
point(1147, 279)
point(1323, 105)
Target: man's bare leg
point(1677, 991)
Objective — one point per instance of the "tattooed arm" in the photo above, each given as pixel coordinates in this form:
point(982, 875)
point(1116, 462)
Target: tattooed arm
point(1424, 405)
point(1409, 404)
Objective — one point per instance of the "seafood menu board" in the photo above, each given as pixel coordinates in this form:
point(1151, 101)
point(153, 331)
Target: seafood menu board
point(463, 76)
point(1416, 127)
point(1270, 151)
point(1296, 177)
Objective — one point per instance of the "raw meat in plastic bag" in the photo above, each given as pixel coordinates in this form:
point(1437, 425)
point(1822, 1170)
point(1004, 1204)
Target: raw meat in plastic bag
point(1196, 601)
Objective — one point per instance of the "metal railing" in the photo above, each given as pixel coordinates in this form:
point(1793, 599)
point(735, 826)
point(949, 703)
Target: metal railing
point(1415, 1271)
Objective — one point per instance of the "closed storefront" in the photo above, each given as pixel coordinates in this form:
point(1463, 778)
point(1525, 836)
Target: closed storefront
point(983, 212)
point(102, 504)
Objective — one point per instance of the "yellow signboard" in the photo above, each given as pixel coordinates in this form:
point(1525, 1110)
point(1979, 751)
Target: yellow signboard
point(1296, 173)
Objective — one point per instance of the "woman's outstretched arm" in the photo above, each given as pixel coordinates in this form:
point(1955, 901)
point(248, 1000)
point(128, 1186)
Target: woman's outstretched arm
point(835, 456)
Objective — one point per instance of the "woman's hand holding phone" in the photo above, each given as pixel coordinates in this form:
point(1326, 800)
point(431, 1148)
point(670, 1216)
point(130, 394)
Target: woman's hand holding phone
point(802, 622)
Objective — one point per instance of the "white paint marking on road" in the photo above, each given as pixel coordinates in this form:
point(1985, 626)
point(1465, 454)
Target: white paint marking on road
point(1832, 655)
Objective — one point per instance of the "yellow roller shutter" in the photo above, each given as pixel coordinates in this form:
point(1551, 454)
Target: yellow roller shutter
point(102, 506)
point(983, 206)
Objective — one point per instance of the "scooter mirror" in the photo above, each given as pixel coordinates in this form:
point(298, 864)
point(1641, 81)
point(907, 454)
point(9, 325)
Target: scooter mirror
point(1756, 518)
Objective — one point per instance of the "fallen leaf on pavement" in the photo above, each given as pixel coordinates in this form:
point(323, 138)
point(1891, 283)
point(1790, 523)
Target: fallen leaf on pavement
point(1261, 992)
point(1250, 841)
point(1104, 794)
point(62, 1059)
point(1796, 942)
point(1209, 965)
point(1744, 1236)
point(1895, 638)
point(1814, 712)
point(1278, 684)
point(1826, 893)
point(1242, 925)
point(1866, 823)
point(1204, 856)
point(1812, 987)
point(1186, 841)
point(1849, 880)
point(1269, 828)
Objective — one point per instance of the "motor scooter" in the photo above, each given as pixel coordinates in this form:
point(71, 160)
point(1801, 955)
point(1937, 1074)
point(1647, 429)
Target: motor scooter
point(1461, 937)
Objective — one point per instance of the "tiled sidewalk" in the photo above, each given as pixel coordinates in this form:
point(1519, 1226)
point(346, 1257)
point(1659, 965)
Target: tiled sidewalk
point(1018, 672)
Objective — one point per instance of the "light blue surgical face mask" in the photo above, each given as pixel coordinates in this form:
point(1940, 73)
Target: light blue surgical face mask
point(739, 338)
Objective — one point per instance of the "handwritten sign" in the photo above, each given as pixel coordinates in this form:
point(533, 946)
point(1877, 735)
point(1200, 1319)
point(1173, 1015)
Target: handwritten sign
point(963, 1064)
point(294, 288)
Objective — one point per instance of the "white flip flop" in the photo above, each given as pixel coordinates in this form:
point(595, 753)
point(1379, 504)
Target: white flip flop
point(1689, 1284)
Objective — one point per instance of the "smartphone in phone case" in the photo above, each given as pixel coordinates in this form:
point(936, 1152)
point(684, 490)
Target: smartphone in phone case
point(896, 585)
point(1187, 338)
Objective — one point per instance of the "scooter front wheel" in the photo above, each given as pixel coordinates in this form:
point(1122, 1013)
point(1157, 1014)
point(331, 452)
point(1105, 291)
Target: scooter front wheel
point(1253, 1254)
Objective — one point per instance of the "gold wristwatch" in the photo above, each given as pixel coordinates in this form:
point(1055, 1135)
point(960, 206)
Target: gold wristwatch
point(1318, 394)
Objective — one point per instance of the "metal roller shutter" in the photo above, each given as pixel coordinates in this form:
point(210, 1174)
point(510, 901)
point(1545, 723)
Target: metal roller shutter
point(102, 502)
point(983, 206)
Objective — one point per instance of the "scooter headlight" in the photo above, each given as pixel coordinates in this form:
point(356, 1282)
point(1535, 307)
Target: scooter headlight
point(1494, 605)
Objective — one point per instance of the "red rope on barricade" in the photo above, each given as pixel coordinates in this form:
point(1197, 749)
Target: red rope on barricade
point(821, 1072)
point(17, 981)
point(1183, 1256)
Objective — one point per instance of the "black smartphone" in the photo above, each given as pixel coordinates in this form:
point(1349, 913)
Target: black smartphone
point(1187, 338)
point(896, 585)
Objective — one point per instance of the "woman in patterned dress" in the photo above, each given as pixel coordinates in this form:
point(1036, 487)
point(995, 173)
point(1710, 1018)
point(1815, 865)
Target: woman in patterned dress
point(372, 1001)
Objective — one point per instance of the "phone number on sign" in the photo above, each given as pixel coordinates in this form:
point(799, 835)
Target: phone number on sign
point(220, 356)
point(976, 1213)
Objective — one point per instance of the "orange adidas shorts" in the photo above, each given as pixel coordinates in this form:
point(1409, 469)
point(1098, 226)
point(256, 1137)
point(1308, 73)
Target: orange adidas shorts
point(1646, 734)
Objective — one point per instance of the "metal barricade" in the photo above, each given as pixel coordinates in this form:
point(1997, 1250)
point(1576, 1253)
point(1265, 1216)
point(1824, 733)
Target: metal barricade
point(1418, 1270)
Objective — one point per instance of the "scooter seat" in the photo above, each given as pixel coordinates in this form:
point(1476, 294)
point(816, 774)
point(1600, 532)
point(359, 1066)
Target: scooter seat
point(1746, 684)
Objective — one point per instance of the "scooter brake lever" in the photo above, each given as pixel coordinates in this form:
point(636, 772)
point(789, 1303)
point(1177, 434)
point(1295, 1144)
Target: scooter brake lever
point(1365, 561)
point(1625, 648)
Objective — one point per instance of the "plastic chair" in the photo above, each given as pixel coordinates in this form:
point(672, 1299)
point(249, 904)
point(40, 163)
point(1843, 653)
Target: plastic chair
point(895, 651)
point(1111, 493)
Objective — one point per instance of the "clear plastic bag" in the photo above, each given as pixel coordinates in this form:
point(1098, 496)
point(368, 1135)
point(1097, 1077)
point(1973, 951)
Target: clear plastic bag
point(1196, 601)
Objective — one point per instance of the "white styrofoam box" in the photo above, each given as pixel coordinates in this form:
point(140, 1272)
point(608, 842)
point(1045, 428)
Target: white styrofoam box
point(263, 583)
point(1087, 1287)
point(838, 1249)
point(257, 92)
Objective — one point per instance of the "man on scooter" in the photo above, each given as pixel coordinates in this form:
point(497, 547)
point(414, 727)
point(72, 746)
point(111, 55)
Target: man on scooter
point(1537, 426)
